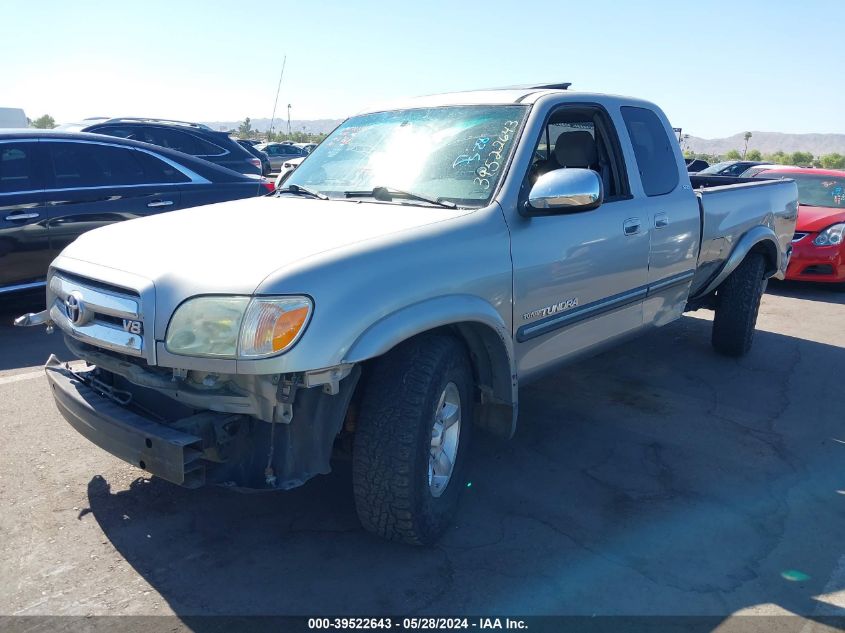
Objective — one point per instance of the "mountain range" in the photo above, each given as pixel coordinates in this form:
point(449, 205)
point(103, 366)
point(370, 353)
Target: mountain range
point(312, 126)
point(766, 142)
point(770, 142)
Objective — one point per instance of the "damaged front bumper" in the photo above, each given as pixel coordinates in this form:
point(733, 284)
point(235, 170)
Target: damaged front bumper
point(193, 447)
point(159, 449)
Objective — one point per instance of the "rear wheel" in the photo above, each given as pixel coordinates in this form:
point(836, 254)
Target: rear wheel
point(412, 438)
point(737, 305)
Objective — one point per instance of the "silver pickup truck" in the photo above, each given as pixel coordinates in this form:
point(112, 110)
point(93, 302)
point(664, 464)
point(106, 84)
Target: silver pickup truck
point(424, 262)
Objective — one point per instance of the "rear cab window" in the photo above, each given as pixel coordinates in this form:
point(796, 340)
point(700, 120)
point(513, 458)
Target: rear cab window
point(653, 151)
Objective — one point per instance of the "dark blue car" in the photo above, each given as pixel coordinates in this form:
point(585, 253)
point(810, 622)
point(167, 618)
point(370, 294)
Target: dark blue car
point(54, 186)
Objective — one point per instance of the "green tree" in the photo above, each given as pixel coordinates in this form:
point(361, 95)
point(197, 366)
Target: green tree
point(45, 122)
point(296, 137)
point(778, 158)
point(733, 155)
point(245, 129)
point(710, 158)
point(754, 154)
point(802, 159)
point(832, 161)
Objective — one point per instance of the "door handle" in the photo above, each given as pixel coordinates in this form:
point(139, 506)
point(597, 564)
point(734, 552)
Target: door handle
point(159, 203)
point(22, 216)
point(661, 220)
point(631, 226)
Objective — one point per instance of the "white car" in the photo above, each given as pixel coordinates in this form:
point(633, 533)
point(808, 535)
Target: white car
point(287, 169)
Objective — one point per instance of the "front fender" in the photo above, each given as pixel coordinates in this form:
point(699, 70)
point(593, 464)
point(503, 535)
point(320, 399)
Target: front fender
point(758, 237)
point(486, 335)
point(426, 315)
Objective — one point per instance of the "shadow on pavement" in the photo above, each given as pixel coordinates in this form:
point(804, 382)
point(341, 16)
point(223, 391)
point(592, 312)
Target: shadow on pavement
point(655, 479)
point(827, 293)
point(30, 346)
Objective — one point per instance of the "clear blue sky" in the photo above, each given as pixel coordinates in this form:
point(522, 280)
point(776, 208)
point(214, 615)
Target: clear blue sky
point(715, 68)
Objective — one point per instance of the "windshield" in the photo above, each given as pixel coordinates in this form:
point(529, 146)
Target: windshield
point(815, 190)
point(456, 154)
point(715, 169)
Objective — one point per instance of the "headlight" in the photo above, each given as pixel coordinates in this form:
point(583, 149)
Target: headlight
point(272, 325)
point(237, 327)
point(831, 236)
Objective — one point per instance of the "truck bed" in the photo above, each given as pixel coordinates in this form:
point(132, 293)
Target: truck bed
point(729, 208)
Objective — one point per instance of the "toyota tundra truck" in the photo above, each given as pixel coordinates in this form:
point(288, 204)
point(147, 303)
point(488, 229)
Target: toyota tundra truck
point(427, 260)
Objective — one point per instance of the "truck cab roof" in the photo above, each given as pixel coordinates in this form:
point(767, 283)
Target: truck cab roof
point(527, 94)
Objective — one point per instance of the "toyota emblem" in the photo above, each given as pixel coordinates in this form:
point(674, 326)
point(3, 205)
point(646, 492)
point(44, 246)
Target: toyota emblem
point(75, 308)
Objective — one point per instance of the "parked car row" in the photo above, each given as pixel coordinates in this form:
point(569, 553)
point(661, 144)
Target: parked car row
point(55, 185)
point(194, 139)
point(730, 168)
point(735, 168)
point(278, 153)
point(266, 165)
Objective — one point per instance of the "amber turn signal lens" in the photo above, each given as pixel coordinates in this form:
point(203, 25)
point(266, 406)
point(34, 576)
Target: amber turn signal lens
point(271, 325)
point(288, 326)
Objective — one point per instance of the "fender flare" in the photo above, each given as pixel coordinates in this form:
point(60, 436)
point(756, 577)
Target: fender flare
point(479, 325)
point(760, 235)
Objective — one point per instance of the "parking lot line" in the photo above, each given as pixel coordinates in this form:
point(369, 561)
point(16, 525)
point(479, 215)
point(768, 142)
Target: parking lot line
point(5, 380)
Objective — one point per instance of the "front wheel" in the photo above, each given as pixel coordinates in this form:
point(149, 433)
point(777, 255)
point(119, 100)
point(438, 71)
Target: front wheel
point(412, 439)
point(737, 305)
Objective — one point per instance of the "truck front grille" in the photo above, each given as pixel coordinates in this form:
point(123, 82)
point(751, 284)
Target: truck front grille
point(99, 314)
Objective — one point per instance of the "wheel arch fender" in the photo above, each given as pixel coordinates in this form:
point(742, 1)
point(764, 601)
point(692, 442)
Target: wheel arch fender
point(481, 329)
point(760, 239)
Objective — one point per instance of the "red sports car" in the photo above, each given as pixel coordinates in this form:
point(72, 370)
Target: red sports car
point(819, 244)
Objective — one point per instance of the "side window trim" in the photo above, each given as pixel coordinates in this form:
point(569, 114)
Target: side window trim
point(612, 144)
point(610, 138)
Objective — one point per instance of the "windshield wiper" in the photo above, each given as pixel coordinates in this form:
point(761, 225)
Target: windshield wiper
point(386, 194)
point(302, 191)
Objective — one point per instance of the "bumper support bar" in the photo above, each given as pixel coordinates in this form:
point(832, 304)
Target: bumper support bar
point(159, 449)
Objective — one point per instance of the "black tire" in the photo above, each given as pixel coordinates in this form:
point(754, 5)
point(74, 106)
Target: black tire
point(390, 453)
point(737, 305)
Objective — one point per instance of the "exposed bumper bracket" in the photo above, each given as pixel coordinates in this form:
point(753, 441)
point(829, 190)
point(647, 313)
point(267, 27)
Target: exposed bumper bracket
point(34, 318)
point(159, 449)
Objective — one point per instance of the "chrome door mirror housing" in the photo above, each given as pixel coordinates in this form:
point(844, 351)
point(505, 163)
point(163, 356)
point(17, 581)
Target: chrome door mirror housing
point(567, 190)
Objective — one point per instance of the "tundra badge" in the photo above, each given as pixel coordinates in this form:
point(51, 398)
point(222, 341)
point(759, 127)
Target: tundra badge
point(563, 306)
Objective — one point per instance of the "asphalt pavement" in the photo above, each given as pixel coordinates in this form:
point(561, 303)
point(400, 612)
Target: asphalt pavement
point(657, 478)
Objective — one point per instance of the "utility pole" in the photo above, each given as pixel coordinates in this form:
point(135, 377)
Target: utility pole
point(279, 87)
point(288, 119)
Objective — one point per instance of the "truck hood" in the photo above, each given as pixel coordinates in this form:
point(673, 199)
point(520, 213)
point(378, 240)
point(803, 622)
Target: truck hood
point(232, 246)
point(815, 219)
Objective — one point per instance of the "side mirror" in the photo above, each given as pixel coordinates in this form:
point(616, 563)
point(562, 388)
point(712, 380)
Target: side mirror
point(567, 190)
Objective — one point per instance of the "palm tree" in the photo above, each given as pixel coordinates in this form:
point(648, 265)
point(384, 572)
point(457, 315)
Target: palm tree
point(747, 137)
